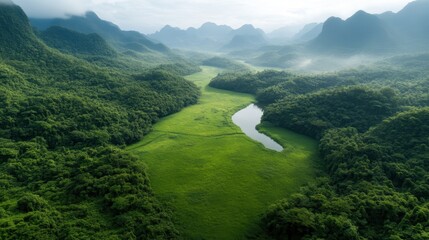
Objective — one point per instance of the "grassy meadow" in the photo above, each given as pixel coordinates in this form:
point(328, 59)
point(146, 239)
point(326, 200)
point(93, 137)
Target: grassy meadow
point(216, 179)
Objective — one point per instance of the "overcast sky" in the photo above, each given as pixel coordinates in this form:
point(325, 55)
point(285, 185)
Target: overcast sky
point(148, 16)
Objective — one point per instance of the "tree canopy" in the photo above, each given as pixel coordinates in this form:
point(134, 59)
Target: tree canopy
point(372, 123)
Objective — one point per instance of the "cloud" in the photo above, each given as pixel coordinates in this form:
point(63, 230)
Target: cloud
point(52, 8)
point(150, 15)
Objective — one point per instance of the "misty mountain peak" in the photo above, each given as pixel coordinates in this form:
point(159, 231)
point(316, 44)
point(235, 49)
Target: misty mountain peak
point(208, 25)
point(362, 18)
point(420, 7)
point(332, 23)
point(210, 28)
point(387, 15)
point(334, 20)
point(247, 27)
point(91, 15)
point(6, 2)
point(361, 13)
point(362, 32)
point(169, 28)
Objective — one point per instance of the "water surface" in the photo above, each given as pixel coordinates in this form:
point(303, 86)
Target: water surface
point(247, 119)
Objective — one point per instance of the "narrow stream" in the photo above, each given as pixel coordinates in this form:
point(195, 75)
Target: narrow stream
point(247, 119)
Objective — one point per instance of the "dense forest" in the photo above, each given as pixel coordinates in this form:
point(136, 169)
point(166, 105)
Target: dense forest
point(313, 113)
point(270, 86)
point(63, 120)
point(72, 99)
point(373, 127)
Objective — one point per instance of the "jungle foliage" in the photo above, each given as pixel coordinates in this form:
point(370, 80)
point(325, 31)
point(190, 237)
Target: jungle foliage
point(373, 126)
point(63, 121)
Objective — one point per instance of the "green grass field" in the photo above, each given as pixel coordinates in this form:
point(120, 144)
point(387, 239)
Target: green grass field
point(217, 180)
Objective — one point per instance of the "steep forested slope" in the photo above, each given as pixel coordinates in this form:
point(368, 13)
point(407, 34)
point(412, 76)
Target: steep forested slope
point(91, 23)
point(61, 175)
point(76, 43)
point(378, 186)
point(131, 45)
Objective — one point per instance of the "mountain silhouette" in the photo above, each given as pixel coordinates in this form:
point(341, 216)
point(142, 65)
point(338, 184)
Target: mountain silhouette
point(209, 37)
point(76, 43)
point(405, 31)
point(91, 23)
point(362, 32)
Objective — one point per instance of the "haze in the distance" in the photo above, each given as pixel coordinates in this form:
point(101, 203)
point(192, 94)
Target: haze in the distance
point(148, 16)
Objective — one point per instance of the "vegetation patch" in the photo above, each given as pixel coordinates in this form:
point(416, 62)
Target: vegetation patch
point(218, 180)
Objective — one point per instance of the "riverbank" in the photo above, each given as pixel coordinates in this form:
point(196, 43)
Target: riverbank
point(247, 120)
point(216, 179)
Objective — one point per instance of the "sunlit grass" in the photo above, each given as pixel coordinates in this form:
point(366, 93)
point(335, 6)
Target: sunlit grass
point(217, 180)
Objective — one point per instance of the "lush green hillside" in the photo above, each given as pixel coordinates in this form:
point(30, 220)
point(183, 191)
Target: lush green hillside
point(182, 68)
point(378, 187)
point(408, 75)
point(248, 82)
point(376, 184)
point(313, 113)
point(76, 43)
point(79, 98)
point(132, 46)
point(62, 120)
point(17, 38)
point(94, 193)
point(91, 23)
point(94, 49)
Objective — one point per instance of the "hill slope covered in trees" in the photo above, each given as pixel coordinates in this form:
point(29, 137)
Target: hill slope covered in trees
point(62, 121)
point(372, 123)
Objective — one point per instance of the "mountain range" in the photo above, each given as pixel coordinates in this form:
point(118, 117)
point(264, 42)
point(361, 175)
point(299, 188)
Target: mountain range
point(410, 25)
point(89, 34)
point(91, 23)
point(407, 30)
point(308, 32)
point(362, 33)
point(211, 37)
point(318, 46)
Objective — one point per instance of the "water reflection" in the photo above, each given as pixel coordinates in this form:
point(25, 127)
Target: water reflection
point(247, 119)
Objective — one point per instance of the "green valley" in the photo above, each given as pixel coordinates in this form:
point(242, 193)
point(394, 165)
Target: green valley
point(114, 132)
point(217, 180)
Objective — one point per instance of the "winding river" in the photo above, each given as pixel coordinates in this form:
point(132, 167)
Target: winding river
point(247, 119)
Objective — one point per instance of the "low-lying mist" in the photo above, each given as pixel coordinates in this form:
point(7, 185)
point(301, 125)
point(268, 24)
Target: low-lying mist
point(308, 62)
point(320, 63)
